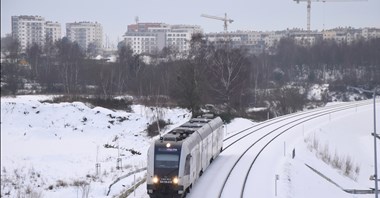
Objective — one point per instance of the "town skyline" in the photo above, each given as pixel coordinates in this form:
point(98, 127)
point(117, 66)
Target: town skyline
point(116, 16)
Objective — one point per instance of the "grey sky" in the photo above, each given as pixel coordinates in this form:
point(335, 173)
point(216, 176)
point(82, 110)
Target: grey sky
point(257, 15)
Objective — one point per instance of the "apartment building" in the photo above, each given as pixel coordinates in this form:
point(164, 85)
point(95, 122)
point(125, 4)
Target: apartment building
point(28, 30)
point(85, 33)
point(149, 38)
point(253, 41)
point(53, 31)
point(369, 33)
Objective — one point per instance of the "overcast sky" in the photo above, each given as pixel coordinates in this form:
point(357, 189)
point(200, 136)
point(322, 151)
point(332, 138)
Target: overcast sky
point(258, 15)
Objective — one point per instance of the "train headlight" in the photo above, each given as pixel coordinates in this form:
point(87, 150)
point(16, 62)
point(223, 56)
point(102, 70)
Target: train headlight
point(155, 179)
point(168, 145)
point(175, 180)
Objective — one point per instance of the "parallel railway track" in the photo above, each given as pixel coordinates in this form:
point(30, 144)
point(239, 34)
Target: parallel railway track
point(262, 139)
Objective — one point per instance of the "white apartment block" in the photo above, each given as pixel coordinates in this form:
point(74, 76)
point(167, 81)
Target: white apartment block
point(150, 38)
point(272, 38)
point(349, 35)
point(179, 40)
point(85, 33)
point(254, 37)
point(28, 30)
point(305, 40)
point(53, 31)
point(143, 42)
point(369, 33)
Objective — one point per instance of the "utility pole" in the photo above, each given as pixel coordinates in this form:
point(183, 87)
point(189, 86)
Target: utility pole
point(374, 139)
point(375, 135)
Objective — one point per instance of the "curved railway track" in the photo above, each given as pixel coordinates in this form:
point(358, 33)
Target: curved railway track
point(295, 120)
point(252, 142)
point(243, 133)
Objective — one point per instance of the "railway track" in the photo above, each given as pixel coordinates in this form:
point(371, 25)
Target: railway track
point(251, 144)
point(255, 140)
point(261, 141)
point(230, 140)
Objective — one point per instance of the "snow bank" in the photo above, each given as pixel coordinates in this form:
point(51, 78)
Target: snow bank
point(44, 145)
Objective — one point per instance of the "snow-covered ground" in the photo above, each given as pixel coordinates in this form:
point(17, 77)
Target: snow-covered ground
point(346, 133)
point(45, 147)
point(52, 149)
point(345, 136)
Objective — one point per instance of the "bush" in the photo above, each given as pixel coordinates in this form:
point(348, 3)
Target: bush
point(153, 129)
point(110, 103)
point(123, 104)
point(226, 117)
point(325, 154)
point(345, 164)
point(337, 162)
point(61, 183)
point(349, 167)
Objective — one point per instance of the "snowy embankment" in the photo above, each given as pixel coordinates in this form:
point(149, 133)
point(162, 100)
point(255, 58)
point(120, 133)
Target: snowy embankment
point(339, 148)
point(346, 134)
point(51, 150)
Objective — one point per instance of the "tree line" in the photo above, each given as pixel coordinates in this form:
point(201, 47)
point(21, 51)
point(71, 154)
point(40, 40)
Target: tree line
point(228, 78)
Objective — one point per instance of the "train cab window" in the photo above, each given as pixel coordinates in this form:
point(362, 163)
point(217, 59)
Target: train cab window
point(167, 161)
point(187, 165)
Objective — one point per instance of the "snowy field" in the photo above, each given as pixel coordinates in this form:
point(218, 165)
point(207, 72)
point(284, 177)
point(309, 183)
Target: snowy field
point(50, 150)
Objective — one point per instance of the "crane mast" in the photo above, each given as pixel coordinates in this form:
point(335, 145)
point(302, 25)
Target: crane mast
point(309, 7)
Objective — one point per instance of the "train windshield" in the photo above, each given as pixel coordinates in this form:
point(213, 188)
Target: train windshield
point(167, 161)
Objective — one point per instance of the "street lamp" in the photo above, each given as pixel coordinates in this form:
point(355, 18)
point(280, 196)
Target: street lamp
point(375, 135)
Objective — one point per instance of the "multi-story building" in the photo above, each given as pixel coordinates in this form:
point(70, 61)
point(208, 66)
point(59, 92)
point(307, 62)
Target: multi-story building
point(258, 42)
point(85, 33)
point(349, 35)
point(253, 41)
point(53, 31)
point(306, 38)
point(179, 36)
point(254, 38)
point(150, 38)
point(28, 30)
point(369, 33)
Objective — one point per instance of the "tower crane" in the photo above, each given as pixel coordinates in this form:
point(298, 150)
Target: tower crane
point(225, 20)
point(309, 7)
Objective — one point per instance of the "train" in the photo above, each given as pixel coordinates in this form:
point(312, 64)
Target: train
point(177, 159)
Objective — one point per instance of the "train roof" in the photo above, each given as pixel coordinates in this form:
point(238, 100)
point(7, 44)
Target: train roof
point(203, 126)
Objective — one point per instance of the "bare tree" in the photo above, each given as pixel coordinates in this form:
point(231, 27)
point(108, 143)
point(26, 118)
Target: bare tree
point(228, 70)
point(69, 57)
point(11, 48)
point(190, 75)
point(34, 56)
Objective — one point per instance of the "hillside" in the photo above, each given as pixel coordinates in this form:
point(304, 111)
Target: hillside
point(51, 149)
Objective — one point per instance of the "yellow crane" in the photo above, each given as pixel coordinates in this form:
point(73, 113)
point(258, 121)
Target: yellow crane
point(309, 7)
point(225, 20)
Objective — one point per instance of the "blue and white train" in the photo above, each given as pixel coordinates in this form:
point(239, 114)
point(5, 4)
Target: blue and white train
point(179, 158)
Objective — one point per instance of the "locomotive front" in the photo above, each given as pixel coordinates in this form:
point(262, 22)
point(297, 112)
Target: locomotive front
point(163, 173)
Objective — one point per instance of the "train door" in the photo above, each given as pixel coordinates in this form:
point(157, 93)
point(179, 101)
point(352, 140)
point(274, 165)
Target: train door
point(196, 161)
point(214, 144)
point(204, 155)
point(187, 171)
point(209, 149)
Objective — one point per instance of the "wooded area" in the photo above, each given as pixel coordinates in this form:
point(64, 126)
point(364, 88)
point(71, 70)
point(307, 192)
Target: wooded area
point(216, 74)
